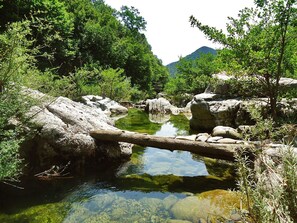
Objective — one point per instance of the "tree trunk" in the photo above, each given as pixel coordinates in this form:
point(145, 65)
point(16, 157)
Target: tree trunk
point(213, 150)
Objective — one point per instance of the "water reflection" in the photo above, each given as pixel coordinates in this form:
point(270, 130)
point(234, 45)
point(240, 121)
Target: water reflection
point(154, 161)
point(152, 187)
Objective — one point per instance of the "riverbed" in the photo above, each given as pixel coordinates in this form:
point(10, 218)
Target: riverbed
point(153, 186)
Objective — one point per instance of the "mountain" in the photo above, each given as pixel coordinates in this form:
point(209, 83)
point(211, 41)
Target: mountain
point(172, 67)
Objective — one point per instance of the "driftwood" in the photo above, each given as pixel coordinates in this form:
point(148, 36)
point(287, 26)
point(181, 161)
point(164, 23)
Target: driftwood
point(54, 172)
point(213, 150)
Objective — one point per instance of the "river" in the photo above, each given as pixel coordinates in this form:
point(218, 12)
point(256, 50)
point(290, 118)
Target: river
point(153, 186)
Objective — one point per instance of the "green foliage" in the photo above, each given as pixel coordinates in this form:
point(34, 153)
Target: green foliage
point(15, 62)
point(10, 161)
point(261, 41)
point(132, 19)
point(89, 80)
point(193, 76)
point(72, 35)
point(172, 67)
point(269, 184)
point(243, 87)
point(15, 59)
point(113, 84)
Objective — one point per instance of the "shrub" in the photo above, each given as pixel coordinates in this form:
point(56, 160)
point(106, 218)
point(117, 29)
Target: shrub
point(15, 61)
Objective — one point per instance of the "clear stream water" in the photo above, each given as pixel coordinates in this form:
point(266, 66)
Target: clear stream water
point(147, 188)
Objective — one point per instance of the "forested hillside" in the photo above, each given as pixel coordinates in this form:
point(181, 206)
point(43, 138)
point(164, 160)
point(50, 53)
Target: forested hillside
point(82, 38)
point(172, 67)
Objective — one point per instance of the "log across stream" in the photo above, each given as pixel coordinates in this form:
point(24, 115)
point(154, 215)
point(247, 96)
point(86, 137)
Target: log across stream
point(213, 150)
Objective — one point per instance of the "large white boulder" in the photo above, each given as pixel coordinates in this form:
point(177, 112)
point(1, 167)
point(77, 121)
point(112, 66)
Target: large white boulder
point(63, 134)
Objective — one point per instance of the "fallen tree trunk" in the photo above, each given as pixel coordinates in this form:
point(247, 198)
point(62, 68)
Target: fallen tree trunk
point(213, 150)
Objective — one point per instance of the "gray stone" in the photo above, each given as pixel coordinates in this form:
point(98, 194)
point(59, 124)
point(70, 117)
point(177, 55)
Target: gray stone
point(233, 112)
point(63, 133)
point(227, 141)
point(288, 83)
point(162, 106)
point(158, 105)
point(107, 105)
point(214, 139)
point(208, 114)
point(226, 132)
point(206, 96)
point(202, 137)
point(210, 205)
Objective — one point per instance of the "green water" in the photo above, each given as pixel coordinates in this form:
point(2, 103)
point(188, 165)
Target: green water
point(153, 186)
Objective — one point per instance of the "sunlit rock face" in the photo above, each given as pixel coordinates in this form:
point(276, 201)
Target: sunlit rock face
point(63, 134)
point(161, 106)
point(105, 104)
point(209, 111)
point(208, 114)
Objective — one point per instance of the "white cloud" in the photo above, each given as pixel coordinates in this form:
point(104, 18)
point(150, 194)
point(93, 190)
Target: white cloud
point(168, 28)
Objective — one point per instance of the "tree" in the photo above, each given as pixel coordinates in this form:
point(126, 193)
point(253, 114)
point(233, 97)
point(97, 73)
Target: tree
point(193, 76)
point(132, 19)
point(262, 41)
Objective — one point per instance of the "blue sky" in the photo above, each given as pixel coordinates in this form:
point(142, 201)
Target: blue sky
point(168, 28)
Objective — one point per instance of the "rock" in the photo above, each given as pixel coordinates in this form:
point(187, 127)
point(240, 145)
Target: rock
point(288, 83)
point(63, 134)
point(233, 112)
point(169, 201)
point(163, 106)
point(243, 129)
point(228, 141)
point(206, 96)
point(211, 205)
point(190, 137)
point(107, 105)
point(226, 132)
point(208, 114)
point(160, 105)
point(222, 86)
point(214, 139)
point(202, 137)
point(222, 76)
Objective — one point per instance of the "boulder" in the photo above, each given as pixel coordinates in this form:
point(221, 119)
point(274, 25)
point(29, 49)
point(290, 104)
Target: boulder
point(226, 132)
point(161, 105)
point(105, 104)
point(208, 111)
point(63, 128)
point(288, 83)
point(210, 206)
point(208, 114)
point(222, 86)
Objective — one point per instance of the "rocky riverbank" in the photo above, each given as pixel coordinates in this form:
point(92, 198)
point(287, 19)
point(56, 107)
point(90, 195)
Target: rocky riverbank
point(62, 134)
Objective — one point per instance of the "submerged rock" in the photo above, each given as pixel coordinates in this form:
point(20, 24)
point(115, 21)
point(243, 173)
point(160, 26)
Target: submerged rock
point(63, 128)
point(211, 205)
